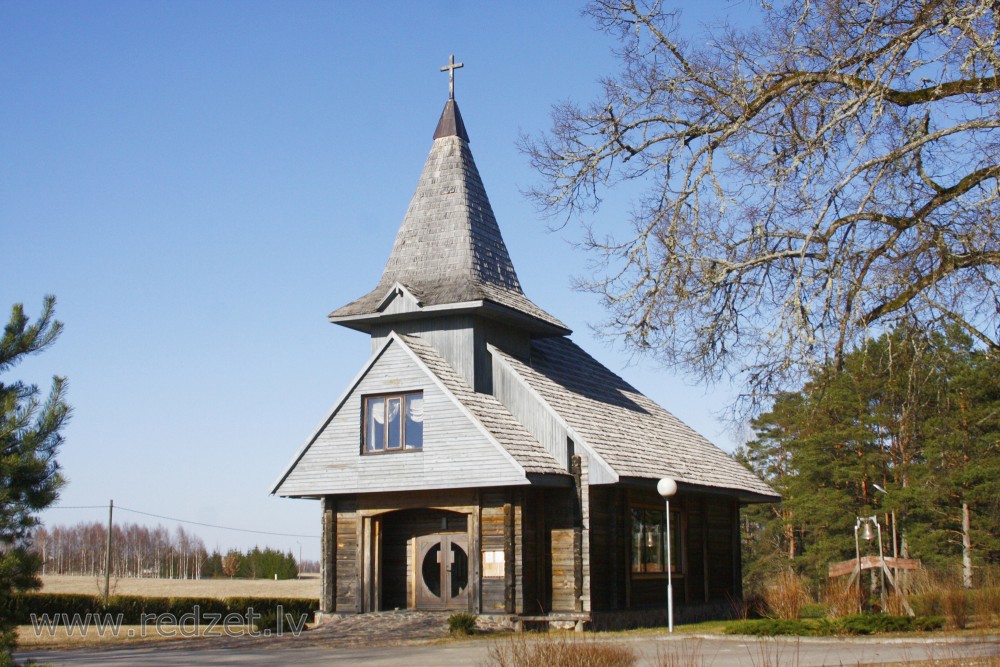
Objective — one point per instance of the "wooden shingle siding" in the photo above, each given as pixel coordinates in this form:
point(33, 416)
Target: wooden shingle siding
point(456, 452)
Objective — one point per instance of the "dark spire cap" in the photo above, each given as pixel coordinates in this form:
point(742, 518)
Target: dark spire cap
point(451, 124)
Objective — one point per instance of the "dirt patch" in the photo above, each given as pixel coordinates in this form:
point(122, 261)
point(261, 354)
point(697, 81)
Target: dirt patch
point(307, 587)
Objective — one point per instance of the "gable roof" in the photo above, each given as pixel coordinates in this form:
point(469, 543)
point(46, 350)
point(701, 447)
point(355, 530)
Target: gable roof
point(449, 249)
point(633, 434)
point(493, 420)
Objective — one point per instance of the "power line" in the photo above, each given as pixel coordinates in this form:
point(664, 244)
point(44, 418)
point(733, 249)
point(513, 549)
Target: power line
point(77, 507)
point(193, 523)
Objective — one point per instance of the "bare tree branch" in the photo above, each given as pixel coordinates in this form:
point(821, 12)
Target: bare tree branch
point(831, 172)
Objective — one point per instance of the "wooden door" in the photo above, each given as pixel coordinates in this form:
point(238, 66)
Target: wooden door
point(442, 571)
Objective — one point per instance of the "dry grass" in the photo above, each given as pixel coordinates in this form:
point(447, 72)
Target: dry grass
point(520, 652)
point(686, 654)
point(840, 598)
point(307, 587)
point(956, 608)
point(986, 602)
point(785, 595)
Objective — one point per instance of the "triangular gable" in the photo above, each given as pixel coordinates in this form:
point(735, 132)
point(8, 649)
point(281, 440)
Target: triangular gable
point(458, 450)
point(399, 299)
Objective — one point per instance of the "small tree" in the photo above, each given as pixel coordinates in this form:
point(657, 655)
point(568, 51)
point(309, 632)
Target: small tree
point(231, 564)
point(30, 435)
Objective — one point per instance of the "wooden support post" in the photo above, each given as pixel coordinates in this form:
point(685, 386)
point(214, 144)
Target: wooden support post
point(328, 561)
point(508, 556)
point(577, 536)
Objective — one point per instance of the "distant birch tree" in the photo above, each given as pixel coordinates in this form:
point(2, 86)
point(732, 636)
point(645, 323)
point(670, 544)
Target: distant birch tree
point(808, 181)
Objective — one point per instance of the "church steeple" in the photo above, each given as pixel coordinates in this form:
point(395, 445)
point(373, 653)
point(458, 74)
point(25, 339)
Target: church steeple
point(449, 255)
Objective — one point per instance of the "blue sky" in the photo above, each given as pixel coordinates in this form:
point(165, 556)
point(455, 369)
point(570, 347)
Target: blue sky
point(201, 183)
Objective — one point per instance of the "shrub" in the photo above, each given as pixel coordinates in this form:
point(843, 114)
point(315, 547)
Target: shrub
point(855, 624)
point(268, 621)
point(462, 623)
point(294, 606)
point(928, 623)
point(867, 624)
point(813, 610)
point(769, 627)
point(559, 653)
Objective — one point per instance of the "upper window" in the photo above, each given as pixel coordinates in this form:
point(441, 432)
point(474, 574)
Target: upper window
point(649, 549)
point(393, 423)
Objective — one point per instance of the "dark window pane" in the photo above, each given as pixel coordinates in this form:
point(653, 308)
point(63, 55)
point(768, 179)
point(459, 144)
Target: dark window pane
point(675, 540)
point(637, 536)
point(414, 421)
point(430, 569)
point(375, 431)
point(459, 570)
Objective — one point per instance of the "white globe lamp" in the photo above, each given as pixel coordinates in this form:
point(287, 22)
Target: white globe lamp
point(667, 488)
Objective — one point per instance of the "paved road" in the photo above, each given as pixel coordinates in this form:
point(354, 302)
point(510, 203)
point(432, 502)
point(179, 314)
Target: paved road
point(713, 651)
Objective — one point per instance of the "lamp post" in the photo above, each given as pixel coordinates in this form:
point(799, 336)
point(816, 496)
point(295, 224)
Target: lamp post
point(667, 488)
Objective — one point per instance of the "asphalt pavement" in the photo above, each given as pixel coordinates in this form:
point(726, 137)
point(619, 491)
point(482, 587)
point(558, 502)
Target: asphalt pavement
point(708, 651)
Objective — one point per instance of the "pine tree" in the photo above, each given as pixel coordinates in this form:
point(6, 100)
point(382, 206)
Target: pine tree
point(30, 436)
point(907, 428)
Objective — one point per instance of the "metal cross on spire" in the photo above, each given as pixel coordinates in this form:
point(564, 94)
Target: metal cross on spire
point(450, 68)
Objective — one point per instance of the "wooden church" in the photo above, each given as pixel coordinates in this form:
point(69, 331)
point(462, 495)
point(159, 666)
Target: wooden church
point(481, 461)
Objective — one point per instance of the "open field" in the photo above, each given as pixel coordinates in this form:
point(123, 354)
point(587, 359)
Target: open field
point(307, 587)
point(31, 638)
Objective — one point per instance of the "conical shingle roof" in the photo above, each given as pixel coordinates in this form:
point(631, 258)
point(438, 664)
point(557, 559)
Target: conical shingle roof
point(449, 250)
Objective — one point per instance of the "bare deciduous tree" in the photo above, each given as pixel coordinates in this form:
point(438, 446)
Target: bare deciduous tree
point(806, 182)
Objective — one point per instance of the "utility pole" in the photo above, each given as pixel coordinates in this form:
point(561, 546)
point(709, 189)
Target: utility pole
point(107, 554)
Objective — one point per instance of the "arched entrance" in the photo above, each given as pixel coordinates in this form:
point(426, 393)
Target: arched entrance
point(424, 560)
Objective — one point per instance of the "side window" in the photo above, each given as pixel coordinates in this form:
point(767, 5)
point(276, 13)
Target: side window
point(649, 547)
point(393, 423)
